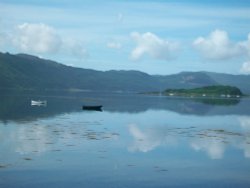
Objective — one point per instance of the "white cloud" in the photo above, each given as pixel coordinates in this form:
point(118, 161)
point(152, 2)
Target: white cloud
point(114, 45)
point(217, 46)
point(37, 38)
point(40, 39)
point(245, 68)
point(152, 45)
point(246, 45)
point(75, 48)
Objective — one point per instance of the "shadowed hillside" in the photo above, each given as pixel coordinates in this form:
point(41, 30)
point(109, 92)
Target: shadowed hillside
point(24, 71)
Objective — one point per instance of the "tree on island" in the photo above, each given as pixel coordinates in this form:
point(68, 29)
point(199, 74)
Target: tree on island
point(216, 90)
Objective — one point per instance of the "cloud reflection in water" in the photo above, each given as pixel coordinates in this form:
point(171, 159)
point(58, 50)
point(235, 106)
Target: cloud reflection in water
point(245, 125)
point(149, 139)
point(214, 148)
point(29, 140)
point(214, 142)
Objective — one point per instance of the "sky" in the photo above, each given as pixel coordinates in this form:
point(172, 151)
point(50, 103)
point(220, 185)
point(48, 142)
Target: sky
point(154, 36)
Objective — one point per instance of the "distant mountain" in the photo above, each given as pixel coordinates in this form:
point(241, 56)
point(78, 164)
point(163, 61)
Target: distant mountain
point(30, 72)
point(186, 80)
point(241, 81)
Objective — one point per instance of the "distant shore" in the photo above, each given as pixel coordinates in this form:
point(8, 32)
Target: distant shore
point(208, 92)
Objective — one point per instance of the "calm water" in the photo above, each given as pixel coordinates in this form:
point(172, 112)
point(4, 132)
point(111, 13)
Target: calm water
point(136, 141)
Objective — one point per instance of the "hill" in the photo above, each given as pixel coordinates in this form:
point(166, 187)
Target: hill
point(24, 71)
point(29, 72)
point(241, 81)
point(208, 91)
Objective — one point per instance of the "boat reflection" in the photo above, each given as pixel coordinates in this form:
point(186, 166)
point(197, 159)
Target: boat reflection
point(38, 103)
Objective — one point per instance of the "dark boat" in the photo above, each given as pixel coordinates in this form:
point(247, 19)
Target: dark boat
point(95, 108)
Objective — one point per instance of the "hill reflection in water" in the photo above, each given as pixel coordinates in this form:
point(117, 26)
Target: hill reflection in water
point(18, 107)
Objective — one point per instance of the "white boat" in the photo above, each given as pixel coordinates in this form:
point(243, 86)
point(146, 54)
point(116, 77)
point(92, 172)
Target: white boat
point(38, 103)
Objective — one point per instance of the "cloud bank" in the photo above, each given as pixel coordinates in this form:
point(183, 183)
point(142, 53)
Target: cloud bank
point(43, 39)
point(217, 46)
point(37, 38)
point(152, 45)
point(245, 68)
point(246, 45)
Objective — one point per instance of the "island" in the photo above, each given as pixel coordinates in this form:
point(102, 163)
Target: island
point(214, 91)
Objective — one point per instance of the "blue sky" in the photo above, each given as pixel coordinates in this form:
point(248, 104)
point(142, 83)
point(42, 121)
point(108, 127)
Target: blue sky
point(157, 37)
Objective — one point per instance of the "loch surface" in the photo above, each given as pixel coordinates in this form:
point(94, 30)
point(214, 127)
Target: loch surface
point(136, 141)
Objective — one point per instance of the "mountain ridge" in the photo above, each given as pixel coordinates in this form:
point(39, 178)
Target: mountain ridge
point(25, 71)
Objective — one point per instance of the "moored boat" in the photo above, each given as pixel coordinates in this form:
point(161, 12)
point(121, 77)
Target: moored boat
point(95, 108)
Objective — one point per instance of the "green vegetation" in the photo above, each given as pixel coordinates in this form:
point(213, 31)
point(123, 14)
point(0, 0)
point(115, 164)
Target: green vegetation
point(23, 71)
point(208, 91)
point(218, 101)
